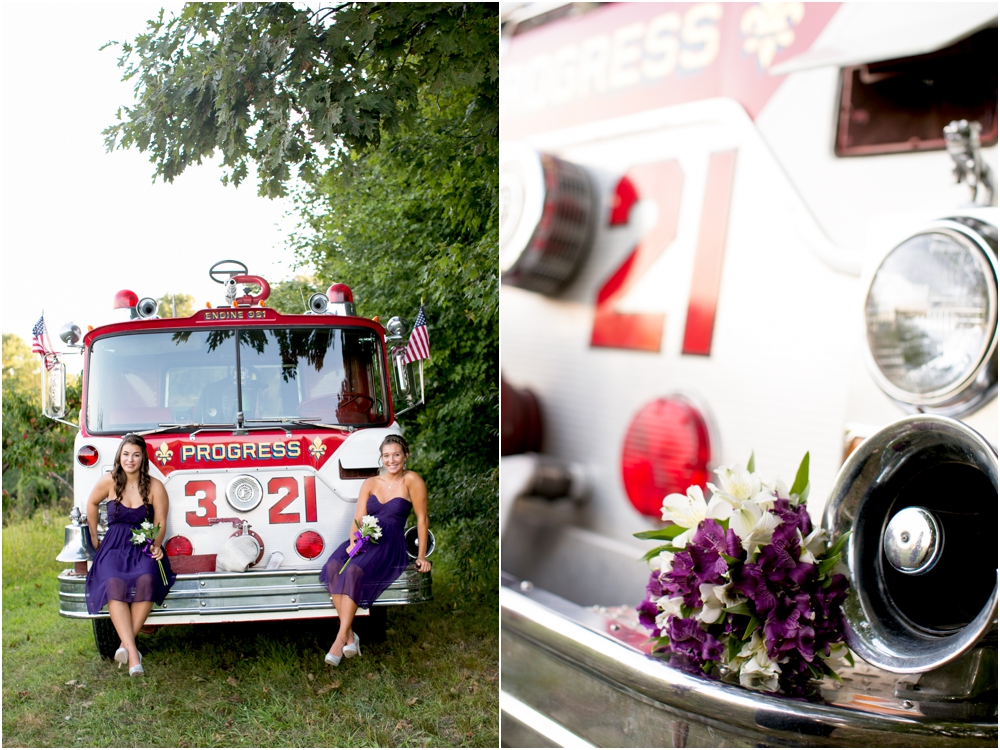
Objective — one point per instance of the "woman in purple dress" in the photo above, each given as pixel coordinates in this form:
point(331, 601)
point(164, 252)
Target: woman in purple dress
point(389, 497)
point(124, 575)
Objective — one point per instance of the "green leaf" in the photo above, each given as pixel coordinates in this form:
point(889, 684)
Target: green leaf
point(668, 533)
point(654, 552)
point(735, 645)
point(750, 463)
point(838, 545)
point(751, 626)
point(739, 609)
point(850, 657)
point(827, 565)
point(801, 477)
point(728, 559)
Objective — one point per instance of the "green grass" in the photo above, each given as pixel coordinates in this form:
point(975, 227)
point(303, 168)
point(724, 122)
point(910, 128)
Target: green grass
point(434, 681)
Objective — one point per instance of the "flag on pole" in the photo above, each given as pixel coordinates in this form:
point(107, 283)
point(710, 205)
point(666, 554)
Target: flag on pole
point(419, 346)
point(40, 343)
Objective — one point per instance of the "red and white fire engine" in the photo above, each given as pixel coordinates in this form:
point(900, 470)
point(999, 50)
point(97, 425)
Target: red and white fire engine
point(731, 228)
point(262, 427)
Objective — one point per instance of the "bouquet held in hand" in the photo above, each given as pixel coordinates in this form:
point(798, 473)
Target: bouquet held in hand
point(744, 586)
point(146, 535)
point(369, 533)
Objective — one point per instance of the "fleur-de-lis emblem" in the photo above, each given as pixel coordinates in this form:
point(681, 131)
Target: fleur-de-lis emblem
point(317, 449)
point(163, 454)
point(767, 27)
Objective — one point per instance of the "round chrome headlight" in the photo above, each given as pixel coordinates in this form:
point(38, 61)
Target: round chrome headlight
point(931, 319)
point(244, 493)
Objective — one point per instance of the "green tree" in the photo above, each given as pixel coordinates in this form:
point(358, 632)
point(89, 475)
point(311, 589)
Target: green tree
point(292, 297)
point(37, 451)
point(182, 303)
point(388, 115)
point(285, 87)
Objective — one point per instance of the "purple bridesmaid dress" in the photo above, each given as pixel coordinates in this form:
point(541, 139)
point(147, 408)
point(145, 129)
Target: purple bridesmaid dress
point(377, 565)
point(122, 571)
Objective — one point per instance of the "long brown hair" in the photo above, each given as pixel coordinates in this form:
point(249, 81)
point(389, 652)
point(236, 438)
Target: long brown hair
point(118, 473)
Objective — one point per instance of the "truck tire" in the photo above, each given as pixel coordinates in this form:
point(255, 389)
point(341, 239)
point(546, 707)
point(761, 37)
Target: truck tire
point(106, 637)
point(371, 629)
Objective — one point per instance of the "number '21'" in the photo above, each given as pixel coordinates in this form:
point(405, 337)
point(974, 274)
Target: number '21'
point(664, 182)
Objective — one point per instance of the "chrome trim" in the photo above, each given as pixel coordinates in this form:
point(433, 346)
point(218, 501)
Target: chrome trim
point(269, 594)
point(527, 721)
point(585, 671)
point(980, 385)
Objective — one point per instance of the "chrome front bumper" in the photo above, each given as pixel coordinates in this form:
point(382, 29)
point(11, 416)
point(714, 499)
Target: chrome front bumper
point(254, 595)
point(578, 676)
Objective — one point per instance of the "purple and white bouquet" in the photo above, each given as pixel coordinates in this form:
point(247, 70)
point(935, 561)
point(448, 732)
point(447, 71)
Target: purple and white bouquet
point(145, 535)
point(745, 587)
point(369, 533)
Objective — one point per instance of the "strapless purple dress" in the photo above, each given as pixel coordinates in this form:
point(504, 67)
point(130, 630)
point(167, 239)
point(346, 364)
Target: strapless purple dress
point(377, 565)
point(121, 570)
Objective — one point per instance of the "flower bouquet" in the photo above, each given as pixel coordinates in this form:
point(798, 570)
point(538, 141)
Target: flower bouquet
point(744, 586)
point(145, 535)
point(370, 532)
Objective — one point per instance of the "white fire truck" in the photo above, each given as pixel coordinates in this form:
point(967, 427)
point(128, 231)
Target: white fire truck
point(730, 228)
point(262, 427)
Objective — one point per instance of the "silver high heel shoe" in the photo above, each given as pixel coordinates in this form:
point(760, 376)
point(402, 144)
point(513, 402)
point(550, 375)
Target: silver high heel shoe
point(333, 661)
point(136, 671)
point(353, 649)
point(121, 656)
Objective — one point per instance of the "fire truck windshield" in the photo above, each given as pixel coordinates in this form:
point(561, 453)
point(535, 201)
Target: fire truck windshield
point(144, 380)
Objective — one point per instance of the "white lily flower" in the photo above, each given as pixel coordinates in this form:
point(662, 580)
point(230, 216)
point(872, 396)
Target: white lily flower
point(812, 546)
point(837, 658)
point(727, 596)
point(758, 672)
point(662, 562)
point(682, 540)
point(753, 525)
point(146, 525)
point(669, 605)
point(687, 511)
point(738, 484)
point(711, 606)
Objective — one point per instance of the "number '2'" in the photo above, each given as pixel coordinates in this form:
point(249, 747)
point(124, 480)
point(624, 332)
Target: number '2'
point(664, 182)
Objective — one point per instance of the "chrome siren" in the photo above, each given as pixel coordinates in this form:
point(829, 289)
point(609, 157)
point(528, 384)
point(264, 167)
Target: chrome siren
point(920, 500)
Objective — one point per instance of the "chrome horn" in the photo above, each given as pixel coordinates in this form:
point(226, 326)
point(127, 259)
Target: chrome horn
point(920, 500)
point(78, 547)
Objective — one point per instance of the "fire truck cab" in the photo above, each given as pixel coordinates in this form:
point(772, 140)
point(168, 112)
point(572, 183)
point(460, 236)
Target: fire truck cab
point(262, 427)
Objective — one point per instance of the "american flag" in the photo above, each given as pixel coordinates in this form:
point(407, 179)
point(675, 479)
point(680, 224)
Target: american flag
point(419, 346)
point(40, 343)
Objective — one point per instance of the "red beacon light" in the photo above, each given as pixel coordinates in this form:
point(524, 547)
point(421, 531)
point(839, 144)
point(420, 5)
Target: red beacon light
point(341, 300)
point(126, 299)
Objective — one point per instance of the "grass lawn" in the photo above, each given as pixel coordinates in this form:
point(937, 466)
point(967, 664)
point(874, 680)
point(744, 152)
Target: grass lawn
point(434, 681)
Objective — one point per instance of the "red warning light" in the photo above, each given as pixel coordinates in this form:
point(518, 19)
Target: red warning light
point(667, 449)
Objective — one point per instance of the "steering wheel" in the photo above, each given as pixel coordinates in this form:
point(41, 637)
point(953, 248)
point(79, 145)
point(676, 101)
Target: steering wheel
point(360, 398)
point(230, 272)
point(319, 406)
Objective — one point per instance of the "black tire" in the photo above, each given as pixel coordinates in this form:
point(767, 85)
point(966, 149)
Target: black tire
point(371, 629)
point(106, 637)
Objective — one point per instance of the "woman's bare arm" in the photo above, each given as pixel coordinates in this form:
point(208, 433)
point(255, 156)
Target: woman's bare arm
point(161, 504)
point(418, 496)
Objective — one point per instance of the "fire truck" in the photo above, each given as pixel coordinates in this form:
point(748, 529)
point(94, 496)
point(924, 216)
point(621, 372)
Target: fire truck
point(262, 427)
point(735, 229)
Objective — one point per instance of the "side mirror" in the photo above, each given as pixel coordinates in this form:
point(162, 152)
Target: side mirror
point(70, 334)
point(54, 391)
point(407, 385)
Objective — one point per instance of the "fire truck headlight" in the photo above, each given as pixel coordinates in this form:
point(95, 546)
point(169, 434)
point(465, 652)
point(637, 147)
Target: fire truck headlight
point(244, 493)
point(931, 319)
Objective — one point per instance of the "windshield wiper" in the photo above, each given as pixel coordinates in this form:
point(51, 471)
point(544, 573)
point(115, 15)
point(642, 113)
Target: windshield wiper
point(303, 422)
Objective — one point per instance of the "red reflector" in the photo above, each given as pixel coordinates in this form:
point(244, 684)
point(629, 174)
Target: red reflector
point(666, 450)
point(178, 546)
point(340, 293)
point(87, 455)
point(126, 298)
point(309, 544)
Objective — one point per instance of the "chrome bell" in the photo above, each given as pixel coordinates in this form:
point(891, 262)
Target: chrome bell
point(78, 547)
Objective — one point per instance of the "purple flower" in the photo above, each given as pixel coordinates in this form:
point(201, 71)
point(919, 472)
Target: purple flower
point(682, 580)
point(750, 581)
point(647, 616)
point(785, 623)
point(706, 545)
point(780, 559)
point(687, 637)
point(797, 516)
